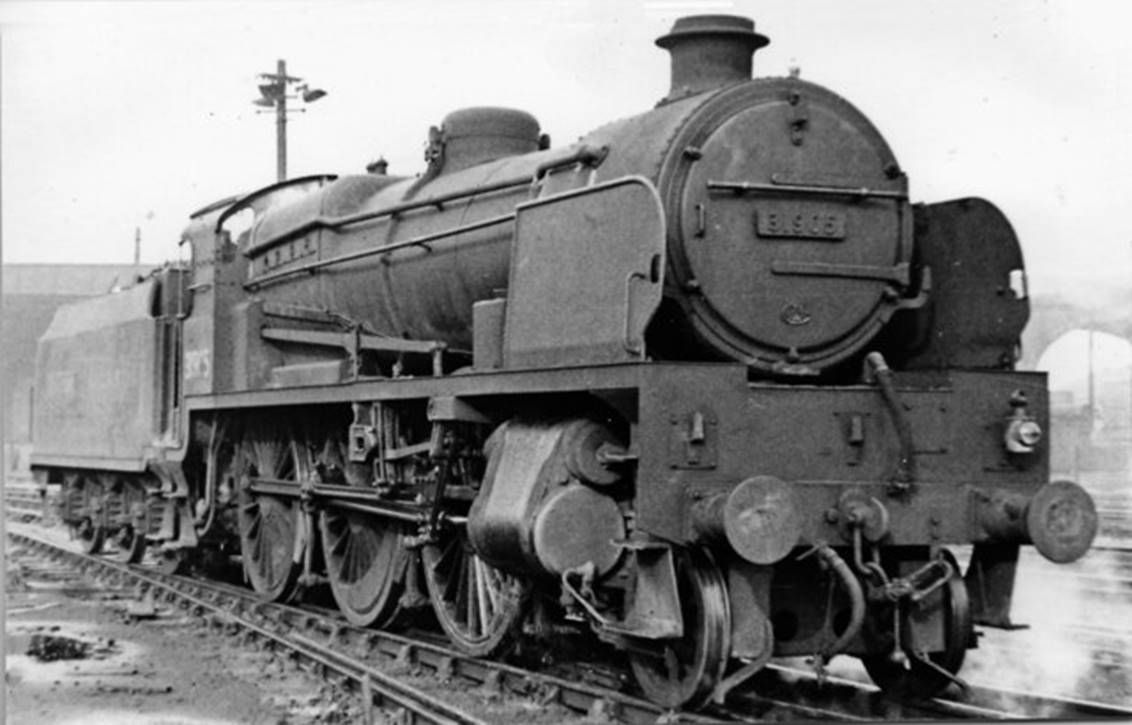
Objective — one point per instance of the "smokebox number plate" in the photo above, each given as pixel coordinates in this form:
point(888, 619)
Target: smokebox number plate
point(800, 222)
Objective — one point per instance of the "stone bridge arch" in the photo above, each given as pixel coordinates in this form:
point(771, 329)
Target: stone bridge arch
point(1052, 316)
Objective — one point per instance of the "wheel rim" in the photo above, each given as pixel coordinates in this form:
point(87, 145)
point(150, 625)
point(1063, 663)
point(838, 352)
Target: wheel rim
point(478, 606)
point(365, 562)
point(272, 535)
point(692, 665)
point(902, 677)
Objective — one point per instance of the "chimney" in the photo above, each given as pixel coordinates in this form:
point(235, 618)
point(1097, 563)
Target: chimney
point(709, 52)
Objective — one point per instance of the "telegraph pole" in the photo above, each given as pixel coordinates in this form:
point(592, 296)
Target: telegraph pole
point(274, 95)
point(281, 125)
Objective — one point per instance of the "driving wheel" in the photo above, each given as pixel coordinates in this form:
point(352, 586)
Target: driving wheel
point(477, 605)
point(365, 562)
point(273, 536)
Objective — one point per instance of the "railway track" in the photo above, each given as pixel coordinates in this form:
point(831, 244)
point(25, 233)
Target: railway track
point(864, 702)
point(23, 501)
point(375, 687)
point(322, 641)
point(326, 643)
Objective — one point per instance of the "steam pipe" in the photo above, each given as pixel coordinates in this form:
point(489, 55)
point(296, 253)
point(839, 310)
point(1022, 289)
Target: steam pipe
point(906, 468)
point(856, 598)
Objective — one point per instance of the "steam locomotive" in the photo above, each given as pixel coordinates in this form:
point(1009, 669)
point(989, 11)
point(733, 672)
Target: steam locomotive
point(704, 384)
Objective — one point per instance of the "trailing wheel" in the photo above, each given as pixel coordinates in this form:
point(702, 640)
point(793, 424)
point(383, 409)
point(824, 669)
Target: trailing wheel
point(90, 536)
point(128, 544)
point(900, 674)
point(478, 606)
point(84, 512)
point(125, 499)
point(273, 536)
point(685, 671)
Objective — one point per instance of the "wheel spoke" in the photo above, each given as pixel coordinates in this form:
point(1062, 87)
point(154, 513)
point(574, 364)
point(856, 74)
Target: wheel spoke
point(481, 592)
point(492, 588)
point(351, 564)
point(453, 571)
point(259, 544)
point(463, 597)
point(340, 546)
point(467, 596)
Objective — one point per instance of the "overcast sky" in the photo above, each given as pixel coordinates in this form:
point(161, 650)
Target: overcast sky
point(119, 115)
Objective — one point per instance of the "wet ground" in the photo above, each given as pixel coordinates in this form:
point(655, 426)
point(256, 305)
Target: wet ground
point(76, 654)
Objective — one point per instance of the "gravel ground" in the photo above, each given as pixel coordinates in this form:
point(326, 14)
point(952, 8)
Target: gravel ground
point(160, 670)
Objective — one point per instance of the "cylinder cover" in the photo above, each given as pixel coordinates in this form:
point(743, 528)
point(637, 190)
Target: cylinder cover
point(575, 526)
point(534, 512)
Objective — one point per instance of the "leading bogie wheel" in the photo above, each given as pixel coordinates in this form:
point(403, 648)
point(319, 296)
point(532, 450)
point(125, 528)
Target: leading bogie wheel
point(479, 607)
point(273, 535)
point(902, 676)
point(684, 672)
